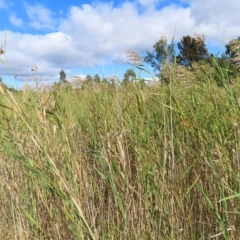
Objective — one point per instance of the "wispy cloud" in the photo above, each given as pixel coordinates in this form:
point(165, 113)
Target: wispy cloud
point(3, 4)
point(40, 17)
point(148, 2)
point(18, 22)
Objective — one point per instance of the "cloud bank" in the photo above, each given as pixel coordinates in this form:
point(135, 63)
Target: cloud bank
point(91, 33)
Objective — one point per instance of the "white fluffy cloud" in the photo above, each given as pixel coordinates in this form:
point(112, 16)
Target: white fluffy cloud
point(214, 10)
point(48, 51)
point(103, 30)
point(218, 20)
point(90, 34)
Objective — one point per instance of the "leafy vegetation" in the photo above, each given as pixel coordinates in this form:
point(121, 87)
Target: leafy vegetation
point(129, 76)
point(62, 75)
point(123, 162)
point(192, 50)
point(163, 53)
point(194, 56)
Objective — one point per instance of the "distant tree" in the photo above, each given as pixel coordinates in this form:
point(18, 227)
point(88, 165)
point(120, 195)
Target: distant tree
point(62, 75)
point(3, 84)
point(96, 79)
point(163, 53)
point(129, 76)
point(192, 50)
point(233, 52)
point(142, 82)
point(63, 84)
point(11, 89)
point(105, 81)
point(88, 79)
point(230, 52)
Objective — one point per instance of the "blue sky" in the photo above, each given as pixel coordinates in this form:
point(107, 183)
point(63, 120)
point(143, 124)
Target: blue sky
point(89, 37)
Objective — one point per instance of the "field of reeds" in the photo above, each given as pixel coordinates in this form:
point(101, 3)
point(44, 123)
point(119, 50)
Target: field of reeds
point(130, 162)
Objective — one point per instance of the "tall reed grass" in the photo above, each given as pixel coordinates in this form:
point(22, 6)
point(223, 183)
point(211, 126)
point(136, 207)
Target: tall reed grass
point(131, 162)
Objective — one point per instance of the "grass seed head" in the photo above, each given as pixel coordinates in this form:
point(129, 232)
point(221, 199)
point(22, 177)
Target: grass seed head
point(1, 51)
point(134, 57)
point(235, 52)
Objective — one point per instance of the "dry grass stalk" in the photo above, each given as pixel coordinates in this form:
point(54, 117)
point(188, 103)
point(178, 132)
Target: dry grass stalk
point(182, 74)
point(75, 177)
point(230, 228)
point(202, 70)
point(200, 38)
point(120, 167)
point(34, 68)
point(163, 39)
point(1, 51)
point(114, 79)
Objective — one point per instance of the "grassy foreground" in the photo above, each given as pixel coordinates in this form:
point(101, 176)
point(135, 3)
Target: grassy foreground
point(120, 163)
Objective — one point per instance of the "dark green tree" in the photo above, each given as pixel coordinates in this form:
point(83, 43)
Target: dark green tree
point(63, 83)
point(233, 52)
point(88, 79)
point(62, 75)
point(163, 53)
point(105, 81)
point(192, 50)
point(96, 79)
point(129, 76)
point(230, 51)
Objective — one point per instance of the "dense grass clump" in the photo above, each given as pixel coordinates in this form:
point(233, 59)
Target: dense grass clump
point(159, 162)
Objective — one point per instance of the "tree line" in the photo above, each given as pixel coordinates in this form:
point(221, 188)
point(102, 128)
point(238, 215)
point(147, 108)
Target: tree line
point(191, 51)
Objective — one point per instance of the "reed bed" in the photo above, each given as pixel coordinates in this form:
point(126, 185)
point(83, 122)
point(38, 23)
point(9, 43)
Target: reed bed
point(126, 162)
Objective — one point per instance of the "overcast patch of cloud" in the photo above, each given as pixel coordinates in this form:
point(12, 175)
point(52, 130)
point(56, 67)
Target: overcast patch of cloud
point(17, 22)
